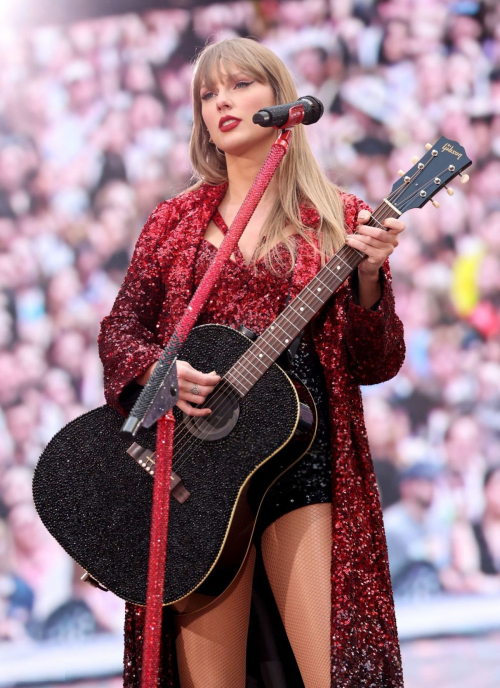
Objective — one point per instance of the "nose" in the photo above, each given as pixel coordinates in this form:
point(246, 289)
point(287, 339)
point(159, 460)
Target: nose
point(223, 100)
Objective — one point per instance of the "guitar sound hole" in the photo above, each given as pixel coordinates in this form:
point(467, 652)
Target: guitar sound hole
point(225, 412)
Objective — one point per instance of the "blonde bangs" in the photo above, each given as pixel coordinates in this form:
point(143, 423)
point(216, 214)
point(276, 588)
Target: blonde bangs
point(221, 59)
point(300, 178)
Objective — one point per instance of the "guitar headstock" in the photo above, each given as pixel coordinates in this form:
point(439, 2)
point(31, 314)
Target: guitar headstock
point(443, 162)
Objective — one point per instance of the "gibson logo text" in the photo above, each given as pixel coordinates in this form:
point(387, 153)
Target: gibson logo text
point(449, 149)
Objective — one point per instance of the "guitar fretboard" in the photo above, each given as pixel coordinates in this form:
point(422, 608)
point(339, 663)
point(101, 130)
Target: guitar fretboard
point(252, 365)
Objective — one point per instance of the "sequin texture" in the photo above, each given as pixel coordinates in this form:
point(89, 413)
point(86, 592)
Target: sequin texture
point(355, 346)
point(254, 297)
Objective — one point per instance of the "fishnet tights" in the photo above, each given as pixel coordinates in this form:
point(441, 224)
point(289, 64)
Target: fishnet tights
point(211, 643)
point(296, 550)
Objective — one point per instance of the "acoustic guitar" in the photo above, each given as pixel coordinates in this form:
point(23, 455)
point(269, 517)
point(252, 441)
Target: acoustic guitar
point(93, 488)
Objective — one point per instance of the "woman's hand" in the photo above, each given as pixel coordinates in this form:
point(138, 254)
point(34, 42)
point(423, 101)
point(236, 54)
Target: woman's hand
point(376, 243)
point(189, 378)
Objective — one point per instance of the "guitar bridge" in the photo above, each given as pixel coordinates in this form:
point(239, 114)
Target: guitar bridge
point(146, 459)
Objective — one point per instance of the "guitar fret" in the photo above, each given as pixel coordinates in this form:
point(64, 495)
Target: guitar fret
point(313, 294)
point(291, 323)
point(256, 377)
point(250, 372)
point(276, 324)
point(269, 344)
point(258, 359)
point(236, 380)
point(321, 283)
point(379, 223)
point(300, 316)
point(336, 275)
point(345, 263)
point(233, 387)
point(304, 302)
point(246, 359)
point(234, 371)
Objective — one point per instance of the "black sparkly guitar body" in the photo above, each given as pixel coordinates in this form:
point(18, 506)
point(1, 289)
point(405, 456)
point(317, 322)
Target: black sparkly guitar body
point(93, 490)
point(95, 497)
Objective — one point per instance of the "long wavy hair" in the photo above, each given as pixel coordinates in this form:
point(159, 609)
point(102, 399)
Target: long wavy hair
point(300, 179)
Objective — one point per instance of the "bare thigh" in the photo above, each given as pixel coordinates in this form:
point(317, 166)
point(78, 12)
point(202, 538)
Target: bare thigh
point(211, 643)
point(296, 550)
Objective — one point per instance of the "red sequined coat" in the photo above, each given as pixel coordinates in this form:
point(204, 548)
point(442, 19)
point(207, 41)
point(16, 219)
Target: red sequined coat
point(356, 346)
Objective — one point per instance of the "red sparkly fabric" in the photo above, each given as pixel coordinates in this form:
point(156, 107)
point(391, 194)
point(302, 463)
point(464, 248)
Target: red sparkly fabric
point(248, 295)
point(355, 346)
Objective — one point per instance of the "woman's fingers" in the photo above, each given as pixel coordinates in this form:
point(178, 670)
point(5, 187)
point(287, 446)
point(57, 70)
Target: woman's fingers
point(191, 410)
point(194, 387)
point(375, 242)
point(394, 226)
point(194, 392)
point(371, 247)
point(390, 234)
point(185, 371)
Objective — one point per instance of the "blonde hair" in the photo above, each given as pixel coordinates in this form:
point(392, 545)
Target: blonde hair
point(300, 179)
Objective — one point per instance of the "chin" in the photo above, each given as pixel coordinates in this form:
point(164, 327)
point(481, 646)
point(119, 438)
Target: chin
point(246, 145)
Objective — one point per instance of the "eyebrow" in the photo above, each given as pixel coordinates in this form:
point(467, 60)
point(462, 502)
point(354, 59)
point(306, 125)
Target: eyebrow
point(233, 75)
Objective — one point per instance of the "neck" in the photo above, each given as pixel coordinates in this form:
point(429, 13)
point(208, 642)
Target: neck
point(242, 171)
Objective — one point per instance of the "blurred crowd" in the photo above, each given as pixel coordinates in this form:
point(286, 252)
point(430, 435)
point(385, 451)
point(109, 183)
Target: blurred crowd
point(95, 122)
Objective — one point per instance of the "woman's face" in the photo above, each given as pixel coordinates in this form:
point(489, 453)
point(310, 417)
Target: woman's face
point(237, 95)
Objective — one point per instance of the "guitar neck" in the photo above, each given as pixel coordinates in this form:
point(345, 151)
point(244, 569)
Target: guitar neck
point(258, 358)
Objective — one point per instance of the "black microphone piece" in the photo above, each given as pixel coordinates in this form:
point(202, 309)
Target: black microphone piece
point(278, 115)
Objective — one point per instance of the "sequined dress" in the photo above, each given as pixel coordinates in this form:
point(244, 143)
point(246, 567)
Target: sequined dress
point(355, 345)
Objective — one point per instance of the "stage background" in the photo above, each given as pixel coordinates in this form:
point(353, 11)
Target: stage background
point(95, 121)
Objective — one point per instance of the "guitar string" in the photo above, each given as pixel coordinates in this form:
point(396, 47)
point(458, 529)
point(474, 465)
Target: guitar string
point(187, 433)
point(193, 420)
point(412, 196)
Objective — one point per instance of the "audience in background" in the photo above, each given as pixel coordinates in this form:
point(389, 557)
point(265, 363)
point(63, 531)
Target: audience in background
point(95, 121)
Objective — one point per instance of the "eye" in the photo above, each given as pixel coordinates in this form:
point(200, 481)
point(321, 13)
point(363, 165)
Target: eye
point(207, 96)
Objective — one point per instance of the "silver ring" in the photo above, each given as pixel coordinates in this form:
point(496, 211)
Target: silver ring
point(194, 389)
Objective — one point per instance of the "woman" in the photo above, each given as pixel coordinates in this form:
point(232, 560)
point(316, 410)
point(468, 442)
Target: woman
point(338, 613)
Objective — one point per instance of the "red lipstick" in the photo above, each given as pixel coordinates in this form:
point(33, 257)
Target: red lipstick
point(232, 122)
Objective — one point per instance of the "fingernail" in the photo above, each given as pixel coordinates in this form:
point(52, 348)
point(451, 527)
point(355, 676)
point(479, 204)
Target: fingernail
point(364, 214)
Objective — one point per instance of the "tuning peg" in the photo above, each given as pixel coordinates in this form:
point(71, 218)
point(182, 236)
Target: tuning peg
point(428, 146)
point(465, 178)
point(449, 190)
point(415, 159)
point(434, 203)
point(401, 173)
